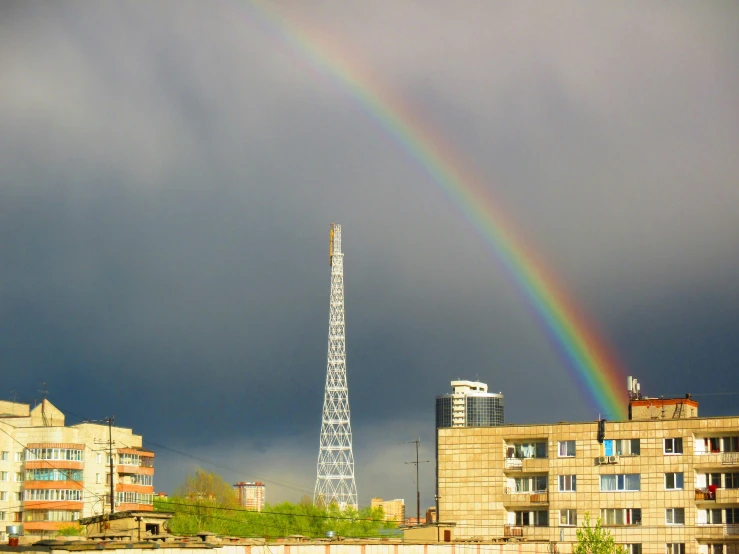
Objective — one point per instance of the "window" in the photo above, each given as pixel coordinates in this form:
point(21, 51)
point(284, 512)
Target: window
point(140, 498)
point(18, 496)
point(70, 454)
point(714, 479)
point(3, 516)
point(566, 449)
point(731, 444)
point(17, 517)
point(622, 447)
point(54, 494)
point(520, 484)
point(97, 478)
point(568, 517)
point(539, 518)
point(52, 515)
point(713, 516)
point(620, 482)
point(675, 516)
point(18, 477)
point(99, 458)
point(673, 481)
point(620, 516)
point(633, 548)
point(53, 474)
point(675, 548)
point(523, 450)
point(732, 515)
point(19, 457)
point(4, 476)
point(4, 496)
point(4, 456)
point(731, 480)
point(674, 446)
point(567, 483)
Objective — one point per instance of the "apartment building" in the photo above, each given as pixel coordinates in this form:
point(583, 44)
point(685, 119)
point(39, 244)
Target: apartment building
point(394, 509)
point(250, 495)
point(51, 475)
point(664, 482)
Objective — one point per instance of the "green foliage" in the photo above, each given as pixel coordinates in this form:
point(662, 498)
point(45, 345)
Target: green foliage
point(71, 531)
point(278, 520)
point(205, 502)
point(595, 540)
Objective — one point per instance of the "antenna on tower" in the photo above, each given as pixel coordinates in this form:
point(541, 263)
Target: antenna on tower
point(335, 472)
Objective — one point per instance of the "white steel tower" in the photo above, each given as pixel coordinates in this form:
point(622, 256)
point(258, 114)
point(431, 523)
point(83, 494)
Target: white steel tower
point(335, 474)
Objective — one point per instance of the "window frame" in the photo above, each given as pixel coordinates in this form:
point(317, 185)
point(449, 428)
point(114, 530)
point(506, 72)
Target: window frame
point(674, 442)
point(673, 512)
point(568, 517)
point(566, 444)
point(564, 480)
point(675, 479)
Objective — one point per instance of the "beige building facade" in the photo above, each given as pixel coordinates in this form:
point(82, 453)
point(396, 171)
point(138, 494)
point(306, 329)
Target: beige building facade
point(394, 509)
point(660, 486)
point(51, 475)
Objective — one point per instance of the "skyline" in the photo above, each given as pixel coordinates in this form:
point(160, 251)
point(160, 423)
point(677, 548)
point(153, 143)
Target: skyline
point(167, 174)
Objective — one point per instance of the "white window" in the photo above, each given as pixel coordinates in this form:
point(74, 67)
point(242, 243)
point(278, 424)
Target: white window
point(100, 458)
point(4, 495)
point(620, 482)
point(520, 484)
point(621, 447)
point(674, 446)
point(568, 517)
point(675, 548)
point(4, 456)
point(620, 516)
point(18, 457)
point(673, 481)
point(713, 516)
point(567, 483)
point(675, 516)
point(566, 449)
point(4, 476)
point(97, 478)
point(18, 496)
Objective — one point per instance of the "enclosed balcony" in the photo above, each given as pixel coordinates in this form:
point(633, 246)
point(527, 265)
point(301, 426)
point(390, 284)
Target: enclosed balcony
point(514, 499)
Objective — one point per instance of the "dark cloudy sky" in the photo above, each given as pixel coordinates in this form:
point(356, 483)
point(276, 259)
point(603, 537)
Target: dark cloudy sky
point(168, 172)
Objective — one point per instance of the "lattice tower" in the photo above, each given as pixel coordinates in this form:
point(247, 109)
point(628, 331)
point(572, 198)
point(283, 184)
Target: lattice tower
point(335, 473)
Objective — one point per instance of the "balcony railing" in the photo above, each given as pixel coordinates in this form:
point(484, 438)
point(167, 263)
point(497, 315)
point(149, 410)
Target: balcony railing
point(705, 494)
point(513, 531)
point(513, 463)
point(730, 458)
point(518, 498)
point(709, 531)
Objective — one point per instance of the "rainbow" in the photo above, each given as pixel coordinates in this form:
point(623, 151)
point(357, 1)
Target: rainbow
point(593, 367)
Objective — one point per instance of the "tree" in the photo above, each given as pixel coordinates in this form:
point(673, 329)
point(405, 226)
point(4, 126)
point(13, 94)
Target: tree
point(207, 487)
point(595, 540)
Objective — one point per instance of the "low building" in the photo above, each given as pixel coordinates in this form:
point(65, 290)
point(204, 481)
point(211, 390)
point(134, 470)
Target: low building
point(664, 482)
point(394, 509)
point(51, 475)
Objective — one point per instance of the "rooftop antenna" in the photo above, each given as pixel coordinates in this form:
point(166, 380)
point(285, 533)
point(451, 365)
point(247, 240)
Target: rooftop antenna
point(44, 392)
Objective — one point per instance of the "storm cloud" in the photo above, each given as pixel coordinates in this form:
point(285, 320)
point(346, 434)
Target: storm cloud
point(168, 173)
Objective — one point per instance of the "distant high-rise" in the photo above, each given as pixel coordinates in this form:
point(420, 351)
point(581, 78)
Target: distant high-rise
point(335, 473)
point(250, 495)
point(394, 510)
point(469, 405)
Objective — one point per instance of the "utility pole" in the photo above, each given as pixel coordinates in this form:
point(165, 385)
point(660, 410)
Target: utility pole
point(418, 490)
point(110, 455)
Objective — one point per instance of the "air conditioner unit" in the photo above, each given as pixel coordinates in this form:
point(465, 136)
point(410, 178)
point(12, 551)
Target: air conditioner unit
point(602, 459)
point(612, 459)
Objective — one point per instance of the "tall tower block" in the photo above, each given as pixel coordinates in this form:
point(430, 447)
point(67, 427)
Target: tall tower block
point(335, 473)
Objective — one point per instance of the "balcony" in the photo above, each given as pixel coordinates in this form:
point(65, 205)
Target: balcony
point(529, 532)
point(716, 459)
point(513, 498)
point(714, 532)
point(527, 464)
point(727, 496)
point(705, 495)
